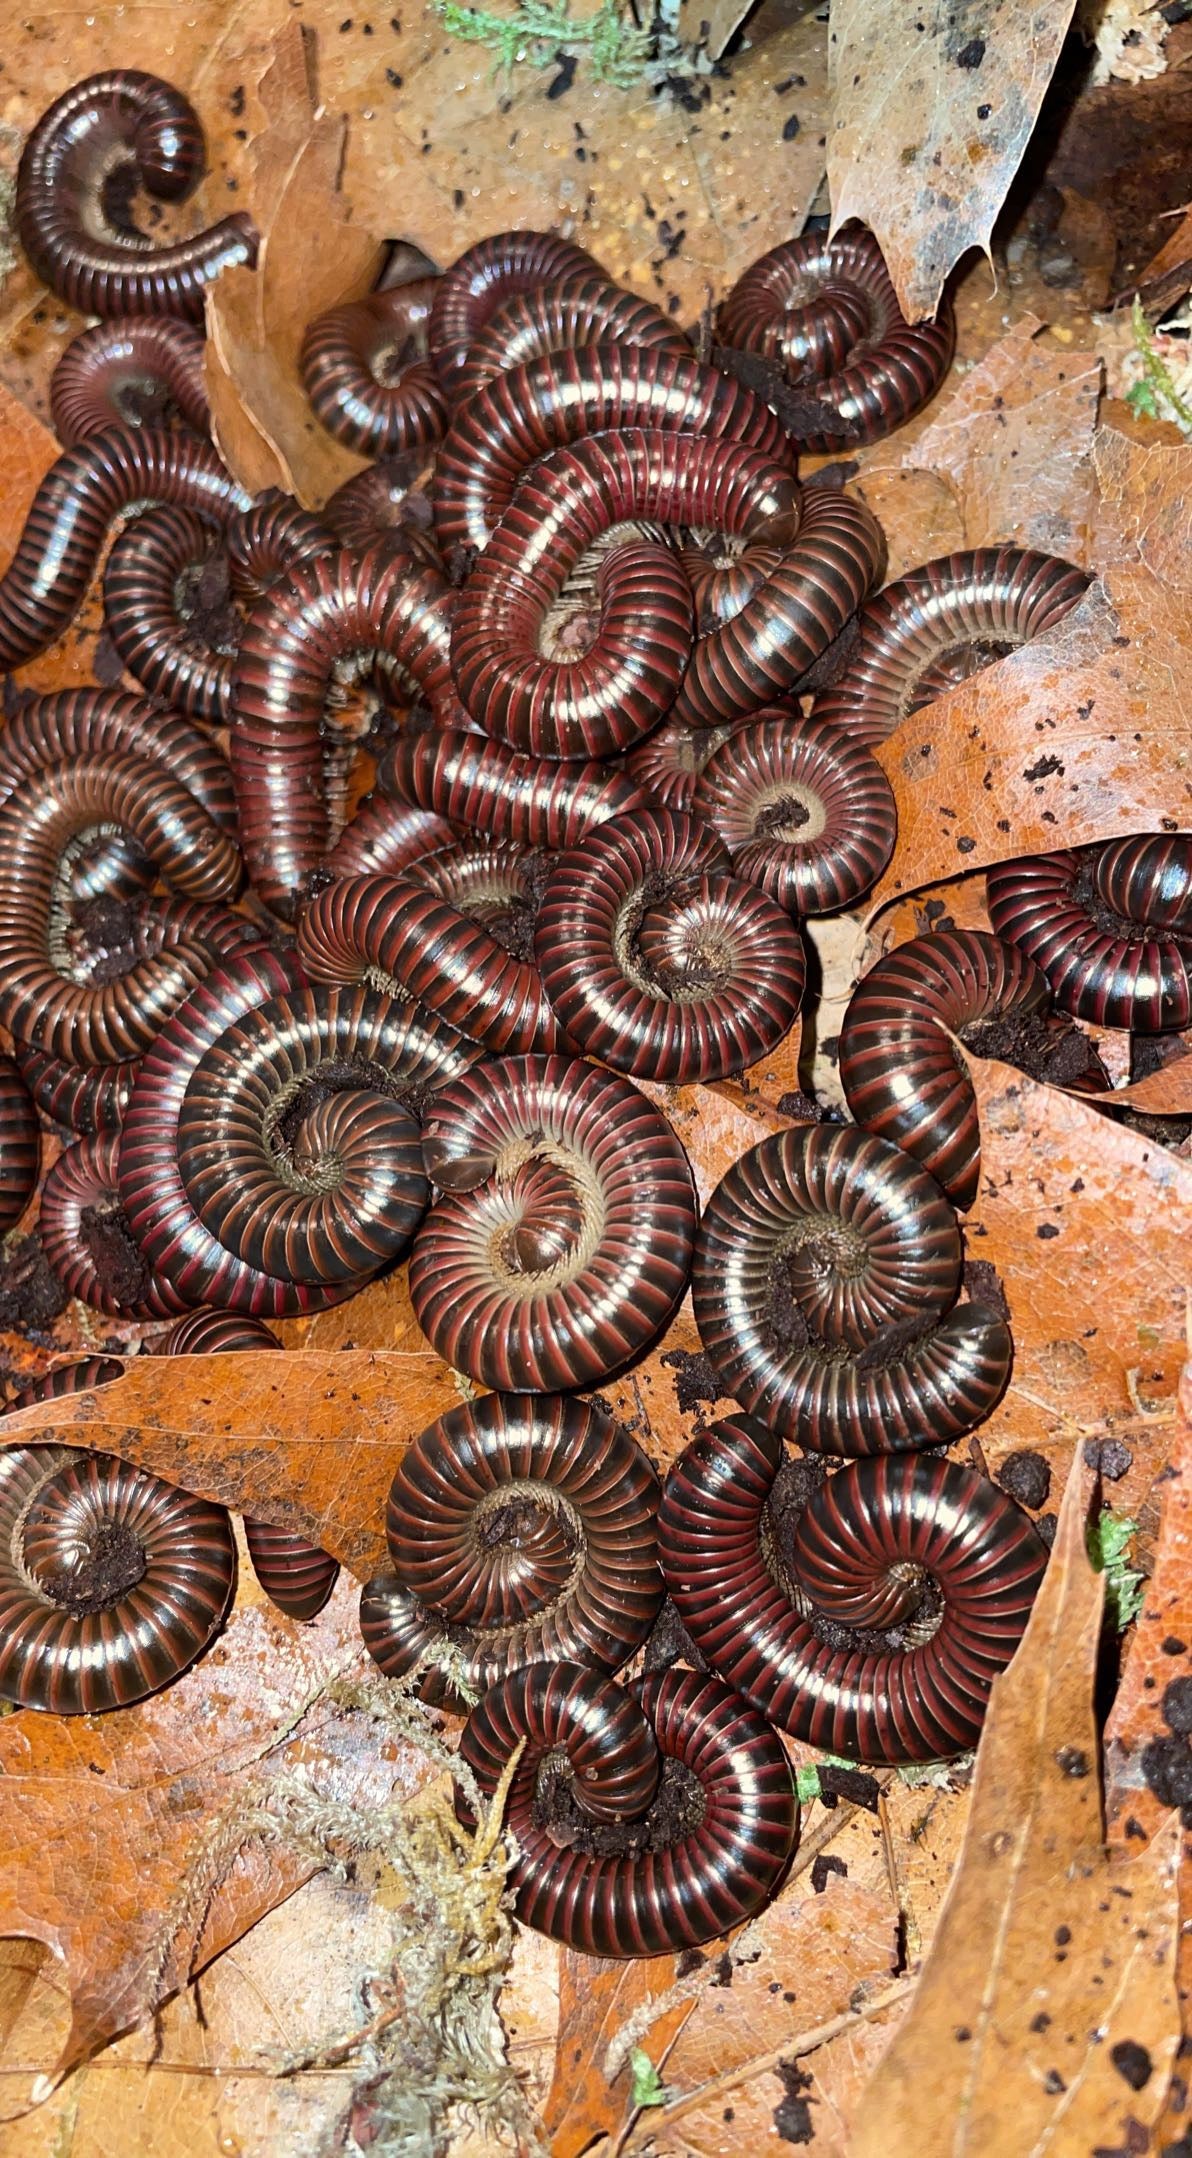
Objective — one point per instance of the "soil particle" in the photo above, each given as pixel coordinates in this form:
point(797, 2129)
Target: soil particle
point(1110, 1457)
point(1027, 1478)
point(1177, 1705)
point(822, 1866)
point(31, 1297)
point(695, 1380)
point(114, 1563)
point(851, 1784)
point(670, 1643)
point(1050, 1049)
point(983, 1285)
point(792, 2116)
point(1132, 2062)
point(801, 1106)
point(676, 1812)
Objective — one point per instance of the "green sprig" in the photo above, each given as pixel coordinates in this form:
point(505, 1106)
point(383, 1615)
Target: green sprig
point(1109, 1540)
point(538, 31)
point(1157, 382)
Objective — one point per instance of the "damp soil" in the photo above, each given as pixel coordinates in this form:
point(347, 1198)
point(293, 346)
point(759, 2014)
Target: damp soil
point(800, 413)
point(339, 1077)
point(1047, 1048)
point(114, 1253)
point(1026, 1478)
point(512, 926)
point(695, 1378)
point(114, 1563)
point(31, 1297)
point(677, 1810)
point(206, 607)
point(517, 1523)
point(669, 1643)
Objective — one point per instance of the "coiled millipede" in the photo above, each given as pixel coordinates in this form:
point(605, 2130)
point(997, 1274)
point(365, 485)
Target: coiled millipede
point(521, 801)
point(561, 318)
point(1111, 928)
point(129, 373)
point(563, 1238)
point(807, 815)
point(365, 369)
point(825, 1277)
point(480, 280)
point(520, 1530)
point(20, 1145)
point(86, 1240)
point(583, 1876)
point(800, 1620)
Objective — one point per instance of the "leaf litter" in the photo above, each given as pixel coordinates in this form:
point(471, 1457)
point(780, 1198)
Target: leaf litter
point(1112, 500)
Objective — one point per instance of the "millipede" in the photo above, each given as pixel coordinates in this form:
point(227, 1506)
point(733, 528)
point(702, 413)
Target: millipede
point(562, 1240)
point(559, 318)
point(807, 815)
point(20, 1144)
point(674, 1890)
point(130, 373)
point(824, 1283)
point(86, 1240)
point(1110, 927)
point(482, 279)
point(484, 787)
point(520, 1530)
point(117, 125)
point(895, 1545)
point(365, 369)
point(111, 1581)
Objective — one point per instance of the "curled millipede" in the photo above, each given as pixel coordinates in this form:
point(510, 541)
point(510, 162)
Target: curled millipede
point(866, 1545)
point(334, 608)
point(20, 1145)
point(1111, 928)
point(560, 317)
point(724, 576)
point(531, 411)
point(562, 1243)
point(658, 960)
point(520, 1530)
point(143, 591)
point(387, 501)
point(365, 370)
point(826, 313)
point(72, 723)
point(807, 815)
point(114, 127)
point(44, 585)
point(94, 1098)
point(384, 838)
point(129, 374)
point(266, 1131)
point(824, 1285)
point(296, 1575)
point(86, 1240)
point(480, 280)
point(900, 1072)
point(41, 1001)
point(111, 1582)
point(424, 943)
point(591, 1883)
point(484, 787)
point(933, 628)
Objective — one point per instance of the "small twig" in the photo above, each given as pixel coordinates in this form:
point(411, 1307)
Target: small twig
point(794, 2049)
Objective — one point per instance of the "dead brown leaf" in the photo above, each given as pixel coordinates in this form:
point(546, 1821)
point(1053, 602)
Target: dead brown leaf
point(312, 255)
point(1083, 702)
point(1042, 1933)
point(106, 1820)
point(596, 2001)
point(930, 117)
point(309, 1440)
point(27, 450)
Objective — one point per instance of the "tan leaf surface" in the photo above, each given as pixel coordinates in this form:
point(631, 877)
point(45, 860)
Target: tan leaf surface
point(1159, 1654)
point(27, 450)
point(931, 115)
point(309, 1440)
point(1107, 694)
point(102, 1819)
point(1013, 442)
point(312, 255)
point(1042, 1934)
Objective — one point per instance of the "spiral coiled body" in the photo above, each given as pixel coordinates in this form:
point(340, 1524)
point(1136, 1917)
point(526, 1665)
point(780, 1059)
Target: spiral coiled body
point(365, 371)
point(526, 414)
point(295, 1574)
point(484, 787)
point(120, 118)
point(862, 1549)
point(394, 927)
point(658, 960)
point(824, 1282)
point(1110, 927)
point(480, 280)
point(20, 1145)
point(520, 1530)
point(331, 608)
point(563, 1239)
point(159, 647)
point(387, 501)
point(119, 373)
point(559, 318)
point(74, 723)
point(807, 816)
point(826, 313)
point(40, 1000)
point(930, 630)
point(216, 1144)
point(901, 1075)
point(384, 838)
point(83, 491)
point(111, 1582)
point(80, 1190)
point(722, 1869)
point(667, 765)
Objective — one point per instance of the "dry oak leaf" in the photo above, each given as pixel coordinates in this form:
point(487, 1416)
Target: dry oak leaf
point(931, 113)
point(1083, 735)
point(597, 1999)
point(1049, 1956)
point(1086, 1225)
point(309, 1440)
point(312, 255)
point(1013, 443)
point(112, 1826)
point(1144, 1713)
